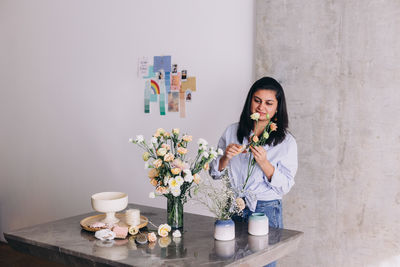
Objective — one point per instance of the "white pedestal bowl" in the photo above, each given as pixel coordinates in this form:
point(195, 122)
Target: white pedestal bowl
point(109, 203)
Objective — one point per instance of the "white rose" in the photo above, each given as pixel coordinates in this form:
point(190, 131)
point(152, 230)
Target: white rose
point(179, 180)
point(188, 178)
point(130, 140)
point(173, 183)
point(153, 140)
point(152, 195)
point(166, 180)
point(202, 142)
point(146, 166)
point(205, 155)
point(176, 191)
point(187, 172)
point(220, 151)
point(105, 234)
point(176, 233)
point(139, 138)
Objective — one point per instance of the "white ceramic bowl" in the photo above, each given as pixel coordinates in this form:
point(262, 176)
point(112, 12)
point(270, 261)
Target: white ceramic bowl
point(109, 203)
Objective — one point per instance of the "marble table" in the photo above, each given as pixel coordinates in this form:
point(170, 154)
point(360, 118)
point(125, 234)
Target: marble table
point(64, 241)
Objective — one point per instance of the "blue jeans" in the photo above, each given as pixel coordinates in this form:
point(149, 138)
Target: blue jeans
point(273, 210)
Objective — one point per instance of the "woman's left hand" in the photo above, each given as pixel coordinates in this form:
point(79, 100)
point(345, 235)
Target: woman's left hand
point(260, 155)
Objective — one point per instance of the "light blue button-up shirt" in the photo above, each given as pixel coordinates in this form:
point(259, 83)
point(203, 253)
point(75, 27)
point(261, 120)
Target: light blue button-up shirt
point(282, 156)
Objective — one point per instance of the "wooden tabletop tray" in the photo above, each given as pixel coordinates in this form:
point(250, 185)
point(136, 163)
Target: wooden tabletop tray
point(121, 216)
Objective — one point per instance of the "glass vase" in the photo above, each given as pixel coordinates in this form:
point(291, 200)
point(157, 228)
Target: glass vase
point(175, 212)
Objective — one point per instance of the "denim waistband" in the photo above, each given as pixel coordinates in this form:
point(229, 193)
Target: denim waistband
point(275, 202)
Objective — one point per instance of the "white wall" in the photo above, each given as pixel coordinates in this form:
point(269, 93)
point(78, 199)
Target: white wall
point(70, 97)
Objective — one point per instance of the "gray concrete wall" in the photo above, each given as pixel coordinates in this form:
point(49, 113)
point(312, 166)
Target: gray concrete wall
point(339, 62)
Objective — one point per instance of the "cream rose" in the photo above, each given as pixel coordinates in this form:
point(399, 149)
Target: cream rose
point(153, 182)
point(153, 173)
point(161, 151)
point(255, 138)
point(166, 146)
point(206, 166)
point(152, 237)
point(157, 163)
point(255, 116)
point(176, 171)
point(146, 156)
point(187, 138)
point(161, 190)
point(196, 178)
point(182, 150)
point(175, 131)
point(163, 230)
point(273, 127)
point(160, 131)
point(240, 203)
point(169, 157)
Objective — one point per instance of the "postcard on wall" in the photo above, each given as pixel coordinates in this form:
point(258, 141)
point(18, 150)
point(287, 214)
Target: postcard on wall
point(147, 94)
point(188, 95)
point(150, 74)
point(189, 84)
point(162, 63)
point(173, 102)
point(182, 108)
point(184, 75)
point(174, 70)
point(162, 103)
point(167, 82)
point(175, 82)
point(143, 67)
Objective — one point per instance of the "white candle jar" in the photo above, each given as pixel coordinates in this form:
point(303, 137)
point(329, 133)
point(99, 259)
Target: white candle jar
point(258, 224)
point(132, 217)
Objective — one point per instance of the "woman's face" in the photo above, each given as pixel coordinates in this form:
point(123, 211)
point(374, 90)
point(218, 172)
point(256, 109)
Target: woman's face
point(264, 102)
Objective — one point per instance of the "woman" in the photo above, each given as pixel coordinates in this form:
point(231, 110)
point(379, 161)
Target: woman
point(276, 162)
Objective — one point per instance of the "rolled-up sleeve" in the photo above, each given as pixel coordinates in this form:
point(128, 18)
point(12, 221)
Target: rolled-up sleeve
point(214, 165)
point(285, 169)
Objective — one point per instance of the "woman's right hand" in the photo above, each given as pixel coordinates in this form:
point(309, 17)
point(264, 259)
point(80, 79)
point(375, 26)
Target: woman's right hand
point(230, 151)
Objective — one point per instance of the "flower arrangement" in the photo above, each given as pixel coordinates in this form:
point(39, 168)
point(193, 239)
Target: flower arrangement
point(221, 200)
point(170, 172)
point(256, 141)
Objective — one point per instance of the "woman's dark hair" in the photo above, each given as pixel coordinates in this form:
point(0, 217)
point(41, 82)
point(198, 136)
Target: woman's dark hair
point(246, 124)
